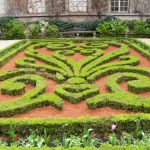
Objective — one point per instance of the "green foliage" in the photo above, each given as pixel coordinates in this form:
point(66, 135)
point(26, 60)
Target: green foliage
point(5, 23)
point(11, 133)
point(61, 24)
point(69, 25)
point(87, 139)
point(113, 26)
point(13, 30)
point(47, 137)
point(77, 85)
point(141, 27)
point(7, 53)
point(76, 92)
point(88, 25)
point(34, 29)
point(34, 140)
point(52, 31)
point(112, 139)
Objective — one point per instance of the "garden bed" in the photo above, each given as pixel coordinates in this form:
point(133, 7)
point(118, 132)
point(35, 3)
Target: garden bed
point(69, 78)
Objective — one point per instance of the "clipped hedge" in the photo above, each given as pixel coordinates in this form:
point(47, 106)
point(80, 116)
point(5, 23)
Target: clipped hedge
point(103, 147)
point(7, 53)
point(57, 127)
point(76, 92)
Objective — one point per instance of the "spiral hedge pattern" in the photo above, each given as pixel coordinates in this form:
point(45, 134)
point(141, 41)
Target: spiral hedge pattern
point(76, 80)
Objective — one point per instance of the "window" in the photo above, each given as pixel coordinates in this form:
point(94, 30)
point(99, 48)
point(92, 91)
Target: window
point(78, 5)
point(119, 5)
point(36, 6)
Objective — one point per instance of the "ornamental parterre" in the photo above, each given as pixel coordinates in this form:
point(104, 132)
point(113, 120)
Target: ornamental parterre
point(96, 73)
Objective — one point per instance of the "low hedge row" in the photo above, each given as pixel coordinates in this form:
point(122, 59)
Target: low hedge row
point(103, 147)
point(91, 45)
point(58, 126)
point(116, 69)
point(61, 46)
point(7, 53)
point(136, 83)
point(76, 92)
point(124, 61)
point(120, 100)
point(138, 47)
point(30, 100)
point(4, 75)
point(104, 59)
point(30, 63)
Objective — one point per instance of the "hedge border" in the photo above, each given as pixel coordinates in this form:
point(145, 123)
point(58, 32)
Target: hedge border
point(103, 147)
point(58, 126)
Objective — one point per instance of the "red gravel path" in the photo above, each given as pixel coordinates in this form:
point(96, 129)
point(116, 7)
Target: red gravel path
point(4, 98)
point(77, 57)
point(70, 110)
point(11, 63)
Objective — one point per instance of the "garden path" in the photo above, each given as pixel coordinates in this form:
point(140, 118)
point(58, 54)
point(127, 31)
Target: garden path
point(5, 43)
point(147, 41)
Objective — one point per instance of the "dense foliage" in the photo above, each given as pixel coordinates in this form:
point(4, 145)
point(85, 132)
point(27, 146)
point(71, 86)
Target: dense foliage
point(112, 26)
point(86, 139)
point(118, 26)
point(11, 28)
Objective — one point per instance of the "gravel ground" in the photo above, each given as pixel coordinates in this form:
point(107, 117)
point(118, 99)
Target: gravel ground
point(5, 43)
point(145, 40)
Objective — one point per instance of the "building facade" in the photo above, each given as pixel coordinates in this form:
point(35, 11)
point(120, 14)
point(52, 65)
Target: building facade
point(77, 10)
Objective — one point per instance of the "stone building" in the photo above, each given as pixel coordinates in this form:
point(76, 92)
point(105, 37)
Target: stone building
point(74, 9)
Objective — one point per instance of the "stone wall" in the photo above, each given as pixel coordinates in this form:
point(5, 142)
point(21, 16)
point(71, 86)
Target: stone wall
point(59, 9)
point(2, 7)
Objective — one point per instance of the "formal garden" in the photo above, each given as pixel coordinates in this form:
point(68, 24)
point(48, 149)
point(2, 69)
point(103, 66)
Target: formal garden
point(75, 93)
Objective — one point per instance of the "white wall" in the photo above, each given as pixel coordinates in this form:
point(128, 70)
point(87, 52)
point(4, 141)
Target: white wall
point(2, 7)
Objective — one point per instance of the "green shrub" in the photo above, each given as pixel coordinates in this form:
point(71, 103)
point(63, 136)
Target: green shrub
point(5, 24)
point(7, 53)
point(61, 24)
point(15, 31)
point(141, 27)
point(52, 31)
point(34, 29)
point(88, 25)
point(113, 26)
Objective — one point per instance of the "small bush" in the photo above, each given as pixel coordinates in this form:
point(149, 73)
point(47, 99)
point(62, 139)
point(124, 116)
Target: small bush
point(141, 27)
point(113, 26)
point(34, 29)
point(5, 24)
point(14, 29)
point(62, 25)
point(52, 31)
